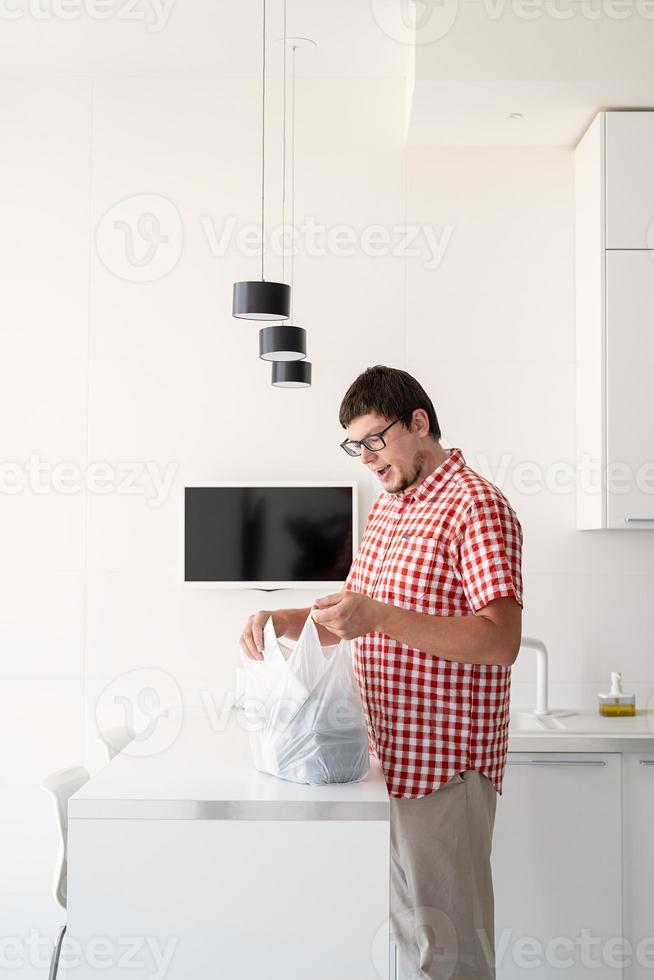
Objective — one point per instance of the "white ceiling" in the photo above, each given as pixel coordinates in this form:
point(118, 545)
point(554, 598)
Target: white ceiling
point(474, 61)
point(553, 113)
point(557, 62)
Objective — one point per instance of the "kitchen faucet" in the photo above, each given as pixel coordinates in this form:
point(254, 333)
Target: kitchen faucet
point(541, 673)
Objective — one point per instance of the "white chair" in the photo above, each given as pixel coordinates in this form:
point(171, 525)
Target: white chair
point(115, 739)
point(61, 785)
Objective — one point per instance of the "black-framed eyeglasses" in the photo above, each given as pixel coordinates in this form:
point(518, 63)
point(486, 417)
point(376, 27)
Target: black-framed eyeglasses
point(373, 442)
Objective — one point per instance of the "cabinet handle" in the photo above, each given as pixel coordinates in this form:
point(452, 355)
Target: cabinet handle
point(631, 520)
point(557, 762)
point(647, 762)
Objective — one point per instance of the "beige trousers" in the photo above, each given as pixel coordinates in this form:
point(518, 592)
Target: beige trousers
point(441, 888)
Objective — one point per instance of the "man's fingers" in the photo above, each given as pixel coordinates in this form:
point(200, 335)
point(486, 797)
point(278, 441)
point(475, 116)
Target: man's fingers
point(323, 615)
point(252, 638)
point(249, 648)
point(328, 600)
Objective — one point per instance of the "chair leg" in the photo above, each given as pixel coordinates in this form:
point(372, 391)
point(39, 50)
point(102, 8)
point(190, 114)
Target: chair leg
point(56, 953)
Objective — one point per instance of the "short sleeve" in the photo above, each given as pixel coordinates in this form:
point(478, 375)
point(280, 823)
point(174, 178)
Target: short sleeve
point(490, 552)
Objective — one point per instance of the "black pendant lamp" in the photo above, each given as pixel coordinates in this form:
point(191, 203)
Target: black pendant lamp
point(282, 343)
point(258, 299)
point(286, 344)
point(291, 374)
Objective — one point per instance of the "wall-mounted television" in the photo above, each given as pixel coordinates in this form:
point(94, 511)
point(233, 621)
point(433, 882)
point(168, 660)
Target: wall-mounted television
point(269, 535)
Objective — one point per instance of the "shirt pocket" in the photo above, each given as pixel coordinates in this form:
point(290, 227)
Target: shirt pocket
point(411, 572)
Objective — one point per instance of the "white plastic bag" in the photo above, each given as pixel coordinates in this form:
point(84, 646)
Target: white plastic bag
point(305, 714)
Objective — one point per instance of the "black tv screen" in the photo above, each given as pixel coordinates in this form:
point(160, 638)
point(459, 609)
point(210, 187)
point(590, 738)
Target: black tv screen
point(270, 536)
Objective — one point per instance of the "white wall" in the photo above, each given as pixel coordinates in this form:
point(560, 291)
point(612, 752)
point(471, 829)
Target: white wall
point(491, 336)
point(97, 367)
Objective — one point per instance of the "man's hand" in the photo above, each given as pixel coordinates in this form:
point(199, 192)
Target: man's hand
point(252, 636)
point(347, 614)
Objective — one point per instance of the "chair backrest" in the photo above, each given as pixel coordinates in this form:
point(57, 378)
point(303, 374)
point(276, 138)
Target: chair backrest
point(115, 739)
point(61, 785)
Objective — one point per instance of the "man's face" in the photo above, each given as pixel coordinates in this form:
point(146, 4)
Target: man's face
point(401, 463)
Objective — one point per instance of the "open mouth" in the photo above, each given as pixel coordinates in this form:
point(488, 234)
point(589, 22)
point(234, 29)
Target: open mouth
point(383, 473)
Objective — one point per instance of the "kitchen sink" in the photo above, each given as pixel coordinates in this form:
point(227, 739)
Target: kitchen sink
point(528, 722)
point(585, 721)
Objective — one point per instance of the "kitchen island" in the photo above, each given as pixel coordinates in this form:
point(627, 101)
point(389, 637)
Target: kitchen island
point(185, 862)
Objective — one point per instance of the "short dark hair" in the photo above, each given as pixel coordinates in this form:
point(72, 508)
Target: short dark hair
point(387, 392)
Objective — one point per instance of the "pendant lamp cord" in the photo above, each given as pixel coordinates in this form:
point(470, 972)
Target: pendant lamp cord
point(284, 155)
point(292, 183)
point(263, 144)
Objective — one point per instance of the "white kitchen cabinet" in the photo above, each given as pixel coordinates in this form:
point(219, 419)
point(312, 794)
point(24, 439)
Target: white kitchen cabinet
point(629, 168)
point(630, 386)
point(557, 866)
point(614, 283)
point(638, 857)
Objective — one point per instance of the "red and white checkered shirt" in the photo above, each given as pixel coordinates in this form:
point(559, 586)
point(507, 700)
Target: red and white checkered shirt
point(444, 548)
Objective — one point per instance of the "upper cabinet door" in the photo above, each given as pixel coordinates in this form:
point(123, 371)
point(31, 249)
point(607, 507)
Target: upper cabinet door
point(630, 180)
point(630, 388)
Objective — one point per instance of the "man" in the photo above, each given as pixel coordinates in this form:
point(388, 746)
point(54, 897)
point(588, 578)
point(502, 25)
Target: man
point(433, 603)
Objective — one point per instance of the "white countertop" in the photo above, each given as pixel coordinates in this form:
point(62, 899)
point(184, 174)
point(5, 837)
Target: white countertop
point(582, 730)
point(200, 773)
point(194, 770)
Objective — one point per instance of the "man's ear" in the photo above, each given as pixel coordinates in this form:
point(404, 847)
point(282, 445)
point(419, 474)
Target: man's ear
point(420, 423)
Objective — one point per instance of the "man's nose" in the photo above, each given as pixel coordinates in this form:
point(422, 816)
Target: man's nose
point(367, 456)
